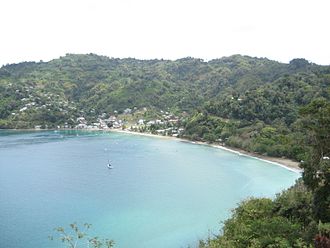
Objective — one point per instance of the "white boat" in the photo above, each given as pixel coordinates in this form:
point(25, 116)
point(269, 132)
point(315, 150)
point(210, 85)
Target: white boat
point(110, 166)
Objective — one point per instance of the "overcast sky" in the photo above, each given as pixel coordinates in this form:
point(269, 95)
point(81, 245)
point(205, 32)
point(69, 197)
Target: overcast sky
point(33, 30)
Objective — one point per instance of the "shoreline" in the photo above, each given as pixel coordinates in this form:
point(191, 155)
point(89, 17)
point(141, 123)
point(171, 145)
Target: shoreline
point(282, 162)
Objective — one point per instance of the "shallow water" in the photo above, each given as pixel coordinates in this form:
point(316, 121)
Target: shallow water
point(161, 193)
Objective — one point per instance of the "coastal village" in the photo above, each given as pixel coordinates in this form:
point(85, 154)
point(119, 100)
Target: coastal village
point(134, 120)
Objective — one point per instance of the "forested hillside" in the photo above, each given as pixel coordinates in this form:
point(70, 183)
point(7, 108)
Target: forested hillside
point(251, 103)
point(298, 217)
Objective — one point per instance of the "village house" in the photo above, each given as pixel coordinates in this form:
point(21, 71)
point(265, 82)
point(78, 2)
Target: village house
point(81, 120)
point(127, 111)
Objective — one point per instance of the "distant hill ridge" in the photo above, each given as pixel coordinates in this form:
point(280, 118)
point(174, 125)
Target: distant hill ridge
point(120, 83)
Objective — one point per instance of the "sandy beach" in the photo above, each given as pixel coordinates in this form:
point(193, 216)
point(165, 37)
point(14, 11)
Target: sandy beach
point(283, 162)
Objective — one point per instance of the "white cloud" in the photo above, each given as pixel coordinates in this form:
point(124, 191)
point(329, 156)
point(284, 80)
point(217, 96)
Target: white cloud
point(171, 29)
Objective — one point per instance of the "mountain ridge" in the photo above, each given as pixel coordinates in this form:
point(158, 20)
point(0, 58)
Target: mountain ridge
point(250, 92)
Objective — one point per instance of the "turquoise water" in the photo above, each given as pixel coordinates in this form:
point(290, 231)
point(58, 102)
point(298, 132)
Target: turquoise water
point(161, 193)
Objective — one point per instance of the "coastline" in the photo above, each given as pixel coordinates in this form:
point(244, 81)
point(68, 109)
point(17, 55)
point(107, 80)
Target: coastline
point(282, 162)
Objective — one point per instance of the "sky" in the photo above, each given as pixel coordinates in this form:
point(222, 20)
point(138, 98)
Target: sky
point(34, 30)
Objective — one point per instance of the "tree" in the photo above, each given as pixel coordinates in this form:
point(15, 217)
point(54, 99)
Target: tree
point(254, 224)
point(77, 238)
point(316, 173)
point(299, 63)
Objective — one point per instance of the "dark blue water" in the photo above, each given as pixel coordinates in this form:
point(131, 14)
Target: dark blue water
point(161, 193)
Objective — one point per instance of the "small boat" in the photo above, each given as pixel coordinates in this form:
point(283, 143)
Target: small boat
point(110, 166)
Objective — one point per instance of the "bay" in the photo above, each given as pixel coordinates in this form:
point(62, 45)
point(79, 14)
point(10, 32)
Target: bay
point(161, 193)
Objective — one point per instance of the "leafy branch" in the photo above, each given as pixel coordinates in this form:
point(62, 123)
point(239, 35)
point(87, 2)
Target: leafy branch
point(76, 236)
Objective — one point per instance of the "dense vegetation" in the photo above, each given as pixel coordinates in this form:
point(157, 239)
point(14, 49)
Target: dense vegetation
point(250, 103)
point(299, 216)
point(263, 118)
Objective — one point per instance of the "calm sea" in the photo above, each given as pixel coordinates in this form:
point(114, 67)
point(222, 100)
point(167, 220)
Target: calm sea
point(160, 193)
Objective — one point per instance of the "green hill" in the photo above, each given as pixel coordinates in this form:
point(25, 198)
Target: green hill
point(251, 103)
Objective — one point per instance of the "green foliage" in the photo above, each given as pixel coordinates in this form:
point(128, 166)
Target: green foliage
point(254, 224)
point(236, 87)
point(76, 237)
point(269, 223)
point(269, 122)
point(299, 216)
point(316, 174)
point(295, 203)
point(204, 127)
